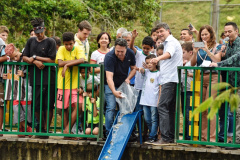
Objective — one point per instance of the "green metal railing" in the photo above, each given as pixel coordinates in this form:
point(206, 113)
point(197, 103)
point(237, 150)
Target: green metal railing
point(55, 128)
point(180, 124)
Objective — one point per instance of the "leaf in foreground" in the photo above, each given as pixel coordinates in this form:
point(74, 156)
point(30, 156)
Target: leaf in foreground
point(203, 106)
point(234, 101)
point(220, 86)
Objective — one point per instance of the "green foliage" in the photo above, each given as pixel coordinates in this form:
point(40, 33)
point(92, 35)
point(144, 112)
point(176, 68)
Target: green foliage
point(234, 101)
point(227, 95)
point(203, 106)
point(62, 16)
point(220, 86)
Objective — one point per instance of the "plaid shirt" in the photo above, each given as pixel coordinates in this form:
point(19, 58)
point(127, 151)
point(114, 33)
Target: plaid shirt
point(232, 59)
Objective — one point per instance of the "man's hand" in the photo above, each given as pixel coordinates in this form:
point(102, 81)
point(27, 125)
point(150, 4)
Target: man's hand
point(154, 60)
point(213, 64)
point(127, 81)
point(39, 64)
point(20, 73)
point(134, 33)
point(223, 50)
point(117, 94)
point(64, 70)
point(29, 60)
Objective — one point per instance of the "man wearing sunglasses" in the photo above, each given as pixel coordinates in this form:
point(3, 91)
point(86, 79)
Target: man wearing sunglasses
point(40, 50)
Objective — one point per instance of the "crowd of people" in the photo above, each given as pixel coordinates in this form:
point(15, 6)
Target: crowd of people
point(151, 69)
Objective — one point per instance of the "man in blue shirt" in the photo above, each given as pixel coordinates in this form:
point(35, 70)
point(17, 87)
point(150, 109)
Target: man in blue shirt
point(116, 63)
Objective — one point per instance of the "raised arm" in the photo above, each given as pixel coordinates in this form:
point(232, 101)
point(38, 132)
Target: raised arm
point(134, 35)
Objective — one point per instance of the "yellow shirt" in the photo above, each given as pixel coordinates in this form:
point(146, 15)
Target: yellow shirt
point(66, 55)
point(85, 47)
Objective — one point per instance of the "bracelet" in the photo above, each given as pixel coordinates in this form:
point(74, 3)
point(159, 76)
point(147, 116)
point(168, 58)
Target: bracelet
point(210, 55)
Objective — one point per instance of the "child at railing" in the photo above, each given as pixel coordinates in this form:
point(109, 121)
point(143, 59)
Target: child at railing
point(151, 86)
point(187, 55)
point(92, 99)
point(89, 78)
point(68, 56)
point(3, 58)
point(25, 100)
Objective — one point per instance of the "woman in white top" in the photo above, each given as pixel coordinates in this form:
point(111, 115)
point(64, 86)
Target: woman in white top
point(97, 57)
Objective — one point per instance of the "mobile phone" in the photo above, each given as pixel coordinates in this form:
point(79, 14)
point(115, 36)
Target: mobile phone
point(190, 26)
point(198, 44)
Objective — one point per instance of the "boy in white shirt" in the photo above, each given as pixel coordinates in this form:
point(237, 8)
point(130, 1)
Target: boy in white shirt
point(147, 46)
point(151, 86)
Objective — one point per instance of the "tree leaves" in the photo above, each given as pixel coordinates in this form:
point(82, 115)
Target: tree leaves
point(226, 96)
point(220, 86)
point(203, 106)
point(234, 101)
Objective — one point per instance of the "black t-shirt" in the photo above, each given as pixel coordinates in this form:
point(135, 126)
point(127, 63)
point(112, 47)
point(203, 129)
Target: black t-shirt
point(118, 67)
point(45, 48)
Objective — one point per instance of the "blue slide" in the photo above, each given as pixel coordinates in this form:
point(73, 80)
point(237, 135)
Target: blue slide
point(119, 135)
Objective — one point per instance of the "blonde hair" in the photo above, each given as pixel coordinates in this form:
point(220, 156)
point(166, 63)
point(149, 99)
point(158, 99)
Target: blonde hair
point(4, 29)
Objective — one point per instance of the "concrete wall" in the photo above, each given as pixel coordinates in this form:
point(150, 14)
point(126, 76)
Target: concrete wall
point(75, 150)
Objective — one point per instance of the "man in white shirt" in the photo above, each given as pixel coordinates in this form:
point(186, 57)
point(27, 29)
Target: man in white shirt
point(169, 61)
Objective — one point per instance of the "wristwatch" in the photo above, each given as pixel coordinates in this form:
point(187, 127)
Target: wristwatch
point(34, 57)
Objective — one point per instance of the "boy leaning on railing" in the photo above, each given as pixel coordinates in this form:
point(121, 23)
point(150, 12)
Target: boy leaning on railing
point(67, 57)
point(20, 89)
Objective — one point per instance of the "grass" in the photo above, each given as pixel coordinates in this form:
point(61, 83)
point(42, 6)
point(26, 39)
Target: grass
point(179, 15)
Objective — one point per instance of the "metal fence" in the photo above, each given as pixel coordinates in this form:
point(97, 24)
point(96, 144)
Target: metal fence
point(196, 123)
point(55, 128)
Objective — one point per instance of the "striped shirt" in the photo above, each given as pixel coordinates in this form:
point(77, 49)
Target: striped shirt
point(17, 85)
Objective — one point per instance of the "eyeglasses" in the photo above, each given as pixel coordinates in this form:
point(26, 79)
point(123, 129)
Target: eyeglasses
point(35, 28)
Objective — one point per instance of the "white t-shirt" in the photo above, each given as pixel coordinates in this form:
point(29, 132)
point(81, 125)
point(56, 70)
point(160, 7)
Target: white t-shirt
point(140, 58)
point(189, 79)
point(89, 80)
point(169, 66)
point(150, 89)
point(98, 57)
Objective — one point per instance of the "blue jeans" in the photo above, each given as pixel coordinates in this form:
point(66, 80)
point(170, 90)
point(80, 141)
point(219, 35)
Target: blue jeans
point(138, 106)
point(110, 108)
point(187, 109)
point(230, 125)
point(221, 122)
point(151, 118)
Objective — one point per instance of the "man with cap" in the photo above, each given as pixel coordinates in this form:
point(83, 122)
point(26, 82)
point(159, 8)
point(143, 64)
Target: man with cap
point(39, 50)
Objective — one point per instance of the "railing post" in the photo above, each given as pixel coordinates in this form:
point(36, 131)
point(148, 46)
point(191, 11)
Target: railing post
point(195, 101)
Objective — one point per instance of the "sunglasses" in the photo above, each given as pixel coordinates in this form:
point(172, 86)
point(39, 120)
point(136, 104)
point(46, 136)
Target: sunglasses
point(36, 28)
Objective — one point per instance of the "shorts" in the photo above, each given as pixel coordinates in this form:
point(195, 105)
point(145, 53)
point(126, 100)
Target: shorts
point(1, 94)
point(22, 113)
point(44, 93)
point(94, 125)
point(67, 97)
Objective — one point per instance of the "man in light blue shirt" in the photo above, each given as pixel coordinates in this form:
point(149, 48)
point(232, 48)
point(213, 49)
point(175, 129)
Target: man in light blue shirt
point(169, 61)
